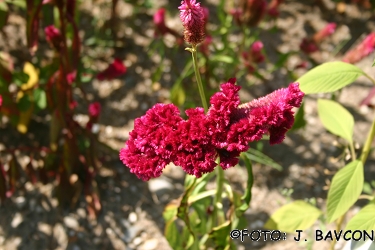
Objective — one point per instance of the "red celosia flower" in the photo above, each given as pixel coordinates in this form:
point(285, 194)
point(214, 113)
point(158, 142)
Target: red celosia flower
point(94, 109)
point(362, 50)
point(116, 69)
point(192, 17)
point(152, 143)
point(53, 36)
point(195, 153)
point(162, 136)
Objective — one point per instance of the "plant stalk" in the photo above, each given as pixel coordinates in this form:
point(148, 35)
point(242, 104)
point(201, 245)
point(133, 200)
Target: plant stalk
point(193, 51)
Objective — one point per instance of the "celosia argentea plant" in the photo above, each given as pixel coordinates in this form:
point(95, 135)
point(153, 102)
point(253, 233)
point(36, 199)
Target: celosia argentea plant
point(210, 140)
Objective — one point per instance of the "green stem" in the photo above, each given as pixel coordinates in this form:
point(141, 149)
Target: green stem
point(338, 228)
point(367, 147)
point(193, 51)
point(352, 151)
point(218, 196)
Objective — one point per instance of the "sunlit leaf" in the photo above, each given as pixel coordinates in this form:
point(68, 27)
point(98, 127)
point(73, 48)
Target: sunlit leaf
point(336, 119)
point(346, 186)
point(329, 77)
point(298, 215)
point(364, 220)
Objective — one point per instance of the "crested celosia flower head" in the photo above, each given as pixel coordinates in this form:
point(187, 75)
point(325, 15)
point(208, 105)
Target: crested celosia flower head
point(193, 19)
point(115, 69)
point(366, 47)
point(151, 144)
point(253, 56)
point(162, 136)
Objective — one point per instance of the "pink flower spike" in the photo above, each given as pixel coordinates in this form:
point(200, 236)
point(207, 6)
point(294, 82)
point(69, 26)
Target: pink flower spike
point(192, 18)
point(1, 100)
point(365, 48)
point(116, 69)
point(328, 30)
point(256, 52)
point(94, 109)
point(159, 22)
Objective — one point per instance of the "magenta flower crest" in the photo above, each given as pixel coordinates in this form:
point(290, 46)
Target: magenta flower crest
point(161, 136)
point(193, 18)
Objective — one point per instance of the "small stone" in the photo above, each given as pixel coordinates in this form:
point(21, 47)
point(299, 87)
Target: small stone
point(137, 241)
point(17, 219)
point(71, 222)
point(20, 202)
point(159, 185)
point(150, 244)
point(132, 217)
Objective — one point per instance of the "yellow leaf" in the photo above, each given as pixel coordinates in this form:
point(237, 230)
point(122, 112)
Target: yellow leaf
point(33, 73)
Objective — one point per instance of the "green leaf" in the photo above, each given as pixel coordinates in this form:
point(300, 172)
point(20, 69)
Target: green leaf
point(336, 119)
point(329, 77)
point(261, 158)
point(299, 118)
point(178, 95)
point(19, 3)
point(347, 185)
point(40, 98)
point(3, 14)
point(222, 58)
point(364, 220)
point(220, 235)
point(20, 78)
point(298, 215)
point(24, 103)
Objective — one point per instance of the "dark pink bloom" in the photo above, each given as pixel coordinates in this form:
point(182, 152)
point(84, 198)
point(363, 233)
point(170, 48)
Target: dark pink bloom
point(192, 17)
point(254, 56)
point(152, 143)
point(273, 8)
point(253, 11)
point(53, 36)
point(204, 47)
point(94, 109)
point(162, 136)
point(308, 46)
point(71, 77)
point(116, 69)
point(1, 100)
point(159, 21)
point(362, 50)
